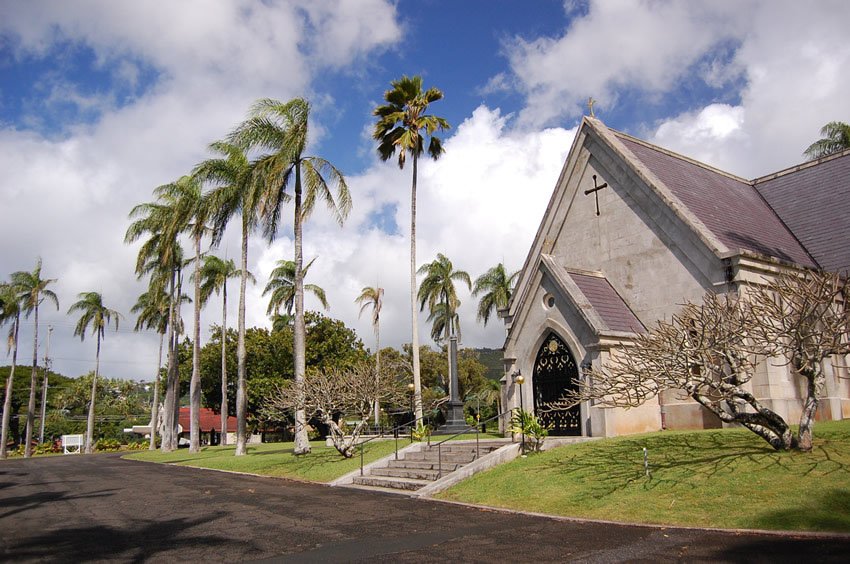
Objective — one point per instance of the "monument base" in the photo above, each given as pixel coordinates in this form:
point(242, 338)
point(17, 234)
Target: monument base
point(455, 423)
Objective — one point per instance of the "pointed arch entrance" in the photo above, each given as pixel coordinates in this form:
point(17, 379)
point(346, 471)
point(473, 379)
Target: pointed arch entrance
point(555, 372)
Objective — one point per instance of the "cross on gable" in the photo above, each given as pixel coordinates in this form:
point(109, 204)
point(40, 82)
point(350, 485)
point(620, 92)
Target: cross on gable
point(595, 191)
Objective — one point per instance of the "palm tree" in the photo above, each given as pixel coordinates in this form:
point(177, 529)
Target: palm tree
point(281, 286)
point(402, 126)
point(161, 257)
point(835, 138)
point(152, 313)
point(94, 313)
point(10, 311)
point(190, 213)
point(32, 290)
point(497, 287)
point(374, 297)
point(438, 291)
point(281, 129)
point(214, 276)
point(235, 192)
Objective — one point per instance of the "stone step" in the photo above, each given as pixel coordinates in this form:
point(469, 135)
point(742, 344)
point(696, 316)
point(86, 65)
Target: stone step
point(434, 456)
point(415, 473)
point(422, 465)
point(395, 483)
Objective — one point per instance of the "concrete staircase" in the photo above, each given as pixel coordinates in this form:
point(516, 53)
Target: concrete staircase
point(418, 468)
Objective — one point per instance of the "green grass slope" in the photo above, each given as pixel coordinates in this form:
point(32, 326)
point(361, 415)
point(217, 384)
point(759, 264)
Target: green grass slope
point(727, 478)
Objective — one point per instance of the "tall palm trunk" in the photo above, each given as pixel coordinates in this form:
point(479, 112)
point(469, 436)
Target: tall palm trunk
point(241, 392)
point(223, 440)
point(7, 403)
point(90, 420)
point(195, 383)
point(167, 411)
point(302, 442)
point(377, 373)
point(175, 407)
point(33, 384)
point(155, 400)
point(417, 383)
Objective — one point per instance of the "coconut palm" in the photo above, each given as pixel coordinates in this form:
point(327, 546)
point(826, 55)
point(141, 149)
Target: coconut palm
point(373, 297)
point(214, 276)
point(32, 290)
point(151, 310)
point(95, 314)
point(496, 286)
point(402, 127)
point(235, 192)
point(10, 312)
point(281, 286)
point(835, 138)
point(281, 130)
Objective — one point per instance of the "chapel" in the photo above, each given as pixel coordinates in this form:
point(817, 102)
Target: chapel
point(631, 232)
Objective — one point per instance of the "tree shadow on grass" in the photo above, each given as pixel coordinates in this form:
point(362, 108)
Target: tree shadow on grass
point(137, 543)
point(675, 459)
point(829, 511)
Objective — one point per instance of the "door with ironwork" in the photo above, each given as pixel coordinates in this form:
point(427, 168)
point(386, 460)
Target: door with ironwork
point(555, 372)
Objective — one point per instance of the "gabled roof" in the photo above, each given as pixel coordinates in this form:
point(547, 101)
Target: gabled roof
point(813, 200)
point(730, 207)
point(593, 298)
point(613, 310)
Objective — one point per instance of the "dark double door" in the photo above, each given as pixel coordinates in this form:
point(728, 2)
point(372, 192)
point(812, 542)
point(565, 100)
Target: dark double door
point(555, 372)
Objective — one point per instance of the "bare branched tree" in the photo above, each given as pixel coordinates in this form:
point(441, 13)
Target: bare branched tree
point(802, 318)
point(340, 395)
point(710, 351)
point(703, 352)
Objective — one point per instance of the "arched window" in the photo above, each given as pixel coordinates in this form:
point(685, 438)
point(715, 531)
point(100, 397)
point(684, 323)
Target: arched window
point(555, 372)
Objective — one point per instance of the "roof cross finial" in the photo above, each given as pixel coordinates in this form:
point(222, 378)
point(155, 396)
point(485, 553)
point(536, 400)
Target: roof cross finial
point(590, 102)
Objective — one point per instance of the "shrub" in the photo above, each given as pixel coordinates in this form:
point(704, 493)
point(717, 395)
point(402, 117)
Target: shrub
point(108, 445)
point(523, 422)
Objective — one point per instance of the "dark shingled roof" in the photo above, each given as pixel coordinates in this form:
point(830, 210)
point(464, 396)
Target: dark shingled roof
point(814, 202)
point(607, 302)
point(732, 209)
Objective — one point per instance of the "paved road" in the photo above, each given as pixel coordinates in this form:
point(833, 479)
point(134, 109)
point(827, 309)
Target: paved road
point(103, 508)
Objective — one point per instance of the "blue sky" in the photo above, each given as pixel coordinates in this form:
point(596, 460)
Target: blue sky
point(102, 101)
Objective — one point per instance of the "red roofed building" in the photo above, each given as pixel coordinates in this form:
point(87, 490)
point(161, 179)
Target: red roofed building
point(210, 421)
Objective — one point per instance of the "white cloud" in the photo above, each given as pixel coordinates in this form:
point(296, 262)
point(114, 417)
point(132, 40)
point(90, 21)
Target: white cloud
point(66, 198)
point(643, 46)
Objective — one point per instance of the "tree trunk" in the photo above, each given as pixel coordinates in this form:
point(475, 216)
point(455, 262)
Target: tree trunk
point(417, 382)
point(302, 442)
point(175, 407)
point(7, 402)
point(90, 420)
point(810, 407)
point(377, 375)
point(155, 400)
point(223, 440)
point(241, 392)
point(33, 384)
point(195, 382)
point(167, 410)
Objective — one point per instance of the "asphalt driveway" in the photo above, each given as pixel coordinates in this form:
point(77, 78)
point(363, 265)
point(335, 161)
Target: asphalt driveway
point(103, 508)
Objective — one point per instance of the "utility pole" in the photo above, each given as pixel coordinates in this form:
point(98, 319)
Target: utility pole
point(44, 384)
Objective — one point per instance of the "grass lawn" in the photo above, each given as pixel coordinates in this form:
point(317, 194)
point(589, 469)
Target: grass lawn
point(728, 478)
point(323, 464)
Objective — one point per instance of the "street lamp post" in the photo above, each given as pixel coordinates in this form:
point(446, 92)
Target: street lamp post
point(519, 379)
point(411, 388)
